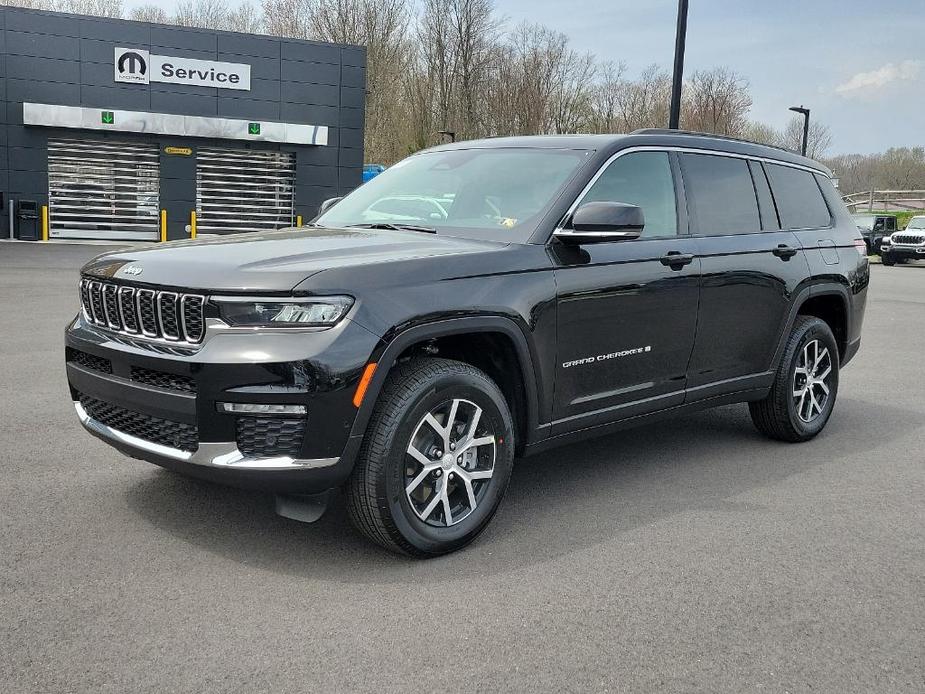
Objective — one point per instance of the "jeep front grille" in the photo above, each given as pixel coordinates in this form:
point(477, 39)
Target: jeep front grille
point(908, 238)
point(144, 312)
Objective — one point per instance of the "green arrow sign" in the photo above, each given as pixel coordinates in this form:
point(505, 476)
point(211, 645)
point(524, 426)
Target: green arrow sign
point(107, 117)
point(253, 128)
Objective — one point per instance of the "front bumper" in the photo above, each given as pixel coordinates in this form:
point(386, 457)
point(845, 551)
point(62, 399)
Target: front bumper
point(318, 370)
point(901, 251)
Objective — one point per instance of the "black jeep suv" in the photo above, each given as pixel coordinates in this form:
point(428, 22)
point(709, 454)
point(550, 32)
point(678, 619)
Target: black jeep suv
point(476, 302)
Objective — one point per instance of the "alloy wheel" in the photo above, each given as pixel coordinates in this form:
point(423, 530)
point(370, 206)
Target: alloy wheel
point(810, 380)
point(449, 463)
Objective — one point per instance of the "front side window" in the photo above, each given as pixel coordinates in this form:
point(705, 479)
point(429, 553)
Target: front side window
point(489, 193)
point(720, 194)
point(799, 200)
point(891, 223)
point(643, 179)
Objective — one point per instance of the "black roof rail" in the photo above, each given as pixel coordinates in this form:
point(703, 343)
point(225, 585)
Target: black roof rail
point(715, 136)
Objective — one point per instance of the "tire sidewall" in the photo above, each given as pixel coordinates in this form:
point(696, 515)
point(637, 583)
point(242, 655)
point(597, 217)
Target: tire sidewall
point(424, 537)
point(814, 330)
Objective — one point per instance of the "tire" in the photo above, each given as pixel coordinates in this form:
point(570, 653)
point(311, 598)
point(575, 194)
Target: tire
point(419, 523)
point(887, 260)
point(782, 415)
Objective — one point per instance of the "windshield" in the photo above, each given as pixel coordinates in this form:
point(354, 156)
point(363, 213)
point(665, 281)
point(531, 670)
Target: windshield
point(916, 223)
point(499, 194)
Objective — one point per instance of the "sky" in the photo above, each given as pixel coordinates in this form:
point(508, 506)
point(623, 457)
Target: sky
point(858, 65)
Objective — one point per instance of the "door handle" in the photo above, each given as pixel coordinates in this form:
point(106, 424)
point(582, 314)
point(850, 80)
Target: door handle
point(784, 252)
point(676, 259)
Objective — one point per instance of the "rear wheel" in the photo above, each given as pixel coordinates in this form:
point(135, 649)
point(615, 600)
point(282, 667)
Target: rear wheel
point(804, 390)
point(436, 459)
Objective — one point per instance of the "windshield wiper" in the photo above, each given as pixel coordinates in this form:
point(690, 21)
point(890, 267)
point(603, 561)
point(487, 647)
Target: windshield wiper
point(394, 227)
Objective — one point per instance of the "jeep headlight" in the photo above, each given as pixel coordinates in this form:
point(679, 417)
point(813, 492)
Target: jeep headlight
point(310, 312)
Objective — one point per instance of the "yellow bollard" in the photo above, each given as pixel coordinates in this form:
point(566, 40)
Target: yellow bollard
point(44, 222)
point(298, 220)
point(192, 224)
point(163, 226)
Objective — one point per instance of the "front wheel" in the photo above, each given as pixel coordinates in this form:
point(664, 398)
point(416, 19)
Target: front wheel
point(436, 459)
point(803, 393)
point(886, 259)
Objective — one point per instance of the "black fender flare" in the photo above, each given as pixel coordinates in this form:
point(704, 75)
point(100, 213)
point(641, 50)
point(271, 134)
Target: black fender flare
point(807, 292)
point(386, 357)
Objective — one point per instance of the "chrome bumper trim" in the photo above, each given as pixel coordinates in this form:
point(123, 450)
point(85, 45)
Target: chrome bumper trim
point(214, 455)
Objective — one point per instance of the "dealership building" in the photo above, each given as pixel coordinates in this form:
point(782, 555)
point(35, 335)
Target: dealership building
point(111, 129)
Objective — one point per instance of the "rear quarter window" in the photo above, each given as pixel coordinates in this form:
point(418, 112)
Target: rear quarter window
point(799, 200)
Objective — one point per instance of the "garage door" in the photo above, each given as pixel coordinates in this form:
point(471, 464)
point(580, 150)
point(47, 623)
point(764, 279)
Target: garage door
point(243, 190)
point(103, 190)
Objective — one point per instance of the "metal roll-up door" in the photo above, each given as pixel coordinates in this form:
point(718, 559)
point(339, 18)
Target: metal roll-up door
point(103, 190)
point(243, 190)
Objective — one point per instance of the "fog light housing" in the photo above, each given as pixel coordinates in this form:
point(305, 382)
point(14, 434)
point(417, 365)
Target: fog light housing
point(258, 408)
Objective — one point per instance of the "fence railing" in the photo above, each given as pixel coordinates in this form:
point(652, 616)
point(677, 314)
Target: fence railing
point(897, 200)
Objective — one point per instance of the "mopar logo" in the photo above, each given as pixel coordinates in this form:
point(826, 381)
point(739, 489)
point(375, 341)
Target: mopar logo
point(132, 270)
point(132, 65)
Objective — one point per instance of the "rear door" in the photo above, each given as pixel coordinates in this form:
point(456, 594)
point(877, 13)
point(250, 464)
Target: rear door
point(803, 209)
point(627, 310)
point(751, 268)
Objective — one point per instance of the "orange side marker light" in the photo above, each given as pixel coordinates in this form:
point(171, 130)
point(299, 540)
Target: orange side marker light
point(364, 384)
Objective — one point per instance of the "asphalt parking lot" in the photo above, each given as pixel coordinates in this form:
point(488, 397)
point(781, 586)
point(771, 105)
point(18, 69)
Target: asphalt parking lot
point(692, 555)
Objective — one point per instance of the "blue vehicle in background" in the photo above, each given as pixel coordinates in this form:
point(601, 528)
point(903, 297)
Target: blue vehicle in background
point(370, 171)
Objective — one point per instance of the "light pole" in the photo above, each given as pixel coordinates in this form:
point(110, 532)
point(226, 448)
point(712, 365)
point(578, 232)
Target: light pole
point(674, 114)
point(805, 112)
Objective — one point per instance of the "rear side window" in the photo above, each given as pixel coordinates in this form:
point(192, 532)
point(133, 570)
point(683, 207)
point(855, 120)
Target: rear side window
point(800, 204)
point(643, 179)
point(720, 195)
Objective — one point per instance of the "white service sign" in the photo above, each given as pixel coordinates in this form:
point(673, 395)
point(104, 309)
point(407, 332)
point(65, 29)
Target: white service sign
point(136, 66)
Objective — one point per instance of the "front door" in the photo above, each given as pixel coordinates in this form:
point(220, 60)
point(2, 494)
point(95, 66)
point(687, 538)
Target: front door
point(627, 310)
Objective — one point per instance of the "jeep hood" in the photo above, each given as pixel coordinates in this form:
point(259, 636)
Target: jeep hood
point(273, 261)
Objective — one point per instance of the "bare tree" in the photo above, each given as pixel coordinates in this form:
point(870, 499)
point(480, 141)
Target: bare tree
point(149, 13)
point(208, 14)
point(29, 4)
point(716, 101)
point(818, 141)
point(643, 103)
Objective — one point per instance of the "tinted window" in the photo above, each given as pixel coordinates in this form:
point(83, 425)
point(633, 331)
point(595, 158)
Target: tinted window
point(891, 224)
point(720, 194)
point(800, 204)
point(643, 179)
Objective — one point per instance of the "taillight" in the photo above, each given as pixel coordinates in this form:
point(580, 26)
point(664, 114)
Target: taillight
point(860, 247)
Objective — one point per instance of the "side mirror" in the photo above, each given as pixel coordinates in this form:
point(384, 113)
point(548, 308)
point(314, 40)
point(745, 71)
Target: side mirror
point(596, 222)
point(328, 204)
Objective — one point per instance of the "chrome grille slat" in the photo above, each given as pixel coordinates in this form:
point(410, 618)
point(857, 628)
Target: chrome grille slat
point(191, 317)
point(127, 309)
point(144, 312)
point(167, 315)
point(110, 307)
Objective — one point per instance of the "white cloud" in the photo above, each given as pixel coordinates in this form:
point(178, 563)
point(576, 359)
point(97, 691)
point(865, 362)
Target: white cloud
point(907, 70)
